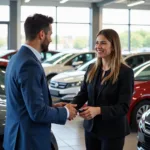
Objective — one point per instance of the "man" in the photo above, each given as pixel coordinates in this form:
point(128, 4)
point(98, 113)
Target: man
point(29, 105)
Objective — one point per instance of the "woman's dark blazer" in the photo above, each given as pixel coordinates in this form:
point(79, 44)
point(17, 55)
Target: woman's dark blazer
point(113, 99)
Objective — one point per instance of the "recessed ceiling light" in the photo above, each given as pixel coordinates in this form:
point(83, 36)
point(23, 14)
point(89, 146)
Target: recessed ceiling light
point(134, 3)
point(63, 1)
point(26, 1)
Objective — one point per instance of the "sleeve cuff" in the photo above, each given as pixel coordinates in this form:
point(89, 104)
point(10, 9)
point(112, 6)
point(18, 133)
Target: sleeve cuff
point(67, 112)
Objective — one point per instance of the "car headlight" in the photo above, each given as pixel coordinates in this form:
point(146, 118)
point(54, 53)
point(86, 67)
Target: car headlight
point(74, 84)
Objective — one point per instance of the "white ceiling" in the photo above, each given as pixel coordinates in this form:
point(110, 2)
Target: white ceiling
point(85, 1)
point(79, 3)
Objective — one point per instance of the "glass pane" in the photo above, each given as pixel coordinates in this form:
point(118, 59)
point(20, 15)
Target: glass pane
point(22, 33)
point(115, 16)
point(3, 36)
point(73, 36)
point(4, 11)
point(72, 14)
point(30, 10)
point(52, 46)
point(136, 19)
point(122, 30)
point(140, 38)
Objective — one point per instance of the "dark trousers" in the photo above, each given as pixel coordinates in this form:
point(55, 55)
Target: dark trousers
point(94, 143)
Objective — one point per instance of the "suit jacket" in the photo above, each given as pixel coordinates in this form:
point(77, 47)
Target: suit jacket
point(114, 101)
point(28, 117)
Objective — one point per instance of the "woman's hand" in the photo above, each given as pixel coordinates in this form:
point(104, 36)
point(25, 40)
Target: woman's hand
point(90, 112)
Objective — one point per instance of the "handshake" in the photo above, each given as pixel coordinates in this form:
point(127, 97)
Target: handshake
point(88, 112)
point(71, 108)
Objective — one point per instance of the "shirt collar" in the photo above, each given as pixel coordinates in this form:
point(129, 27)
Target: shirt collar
point(36, 53)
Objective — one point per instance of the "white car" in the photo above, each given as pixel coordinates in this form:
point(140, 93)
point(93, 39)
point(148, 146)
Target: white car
point(62, 62)
point(66, 85)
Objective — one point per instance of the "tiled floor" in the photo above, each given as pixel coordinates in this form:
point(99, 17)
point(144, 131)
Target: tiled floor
point(71, 136)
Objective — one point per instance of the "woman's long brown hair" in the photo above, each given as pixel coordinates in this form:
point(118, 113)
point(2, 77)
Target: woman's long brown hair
point(116, 57)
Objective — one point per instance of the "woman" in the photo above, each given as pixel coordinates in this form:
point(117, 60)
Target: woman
point(107, 88)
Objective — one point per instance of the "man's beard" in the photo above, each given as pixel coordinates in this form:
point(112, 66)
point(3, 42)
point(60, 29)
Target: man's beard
point(44, 45)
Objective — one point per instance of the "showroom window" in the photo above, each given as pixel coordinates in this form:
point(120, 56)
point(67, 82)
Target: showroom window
point(30, 10)
point(117, 22)
point(4, 22)
point(140, 30)
point(134, 33)
point(69, 30)
point(72, 30)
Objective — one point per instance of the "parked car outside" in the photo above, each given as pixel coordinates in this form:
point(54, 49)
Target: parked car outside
point(66, 61)
point(3, 114)
point(66, 85)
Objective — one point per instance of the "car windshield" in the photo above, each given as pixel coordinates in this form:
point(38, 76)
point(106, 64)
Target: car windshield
point(85, 66)
point(54, 58)
point(63, 59)
point(142, 72)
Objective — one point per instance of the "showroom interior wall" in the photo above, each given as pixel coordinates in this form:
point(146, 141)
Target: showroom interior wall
point(14, 25)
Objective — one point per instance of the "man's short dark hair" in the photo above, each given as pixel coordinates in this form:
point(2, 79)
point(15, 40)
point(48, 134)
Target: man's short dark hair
point(34, 24)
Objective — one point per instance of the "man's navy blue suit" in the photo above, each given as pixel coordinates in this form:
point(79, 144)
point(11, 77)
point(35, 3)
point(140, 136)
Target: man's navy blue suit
point(29, 116)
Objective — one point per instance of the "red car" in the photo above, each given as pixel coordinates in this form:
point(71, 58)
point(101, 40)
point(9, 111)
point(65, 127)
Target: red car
point(141, 96)
point(7, 54)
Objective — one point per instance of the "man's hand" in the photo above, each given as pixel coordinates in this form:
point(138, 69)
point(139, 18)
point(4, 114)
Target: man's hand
point(61, 104)
point(90, 112)
point(72, 110)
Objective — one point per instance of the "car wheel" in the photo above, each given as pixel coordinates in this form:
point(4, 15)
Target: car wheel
point(138, 111)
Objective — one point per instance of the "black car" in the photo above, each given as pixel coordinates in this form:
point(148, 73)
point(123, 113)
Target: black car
point(144, 132)
point(3, 114)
